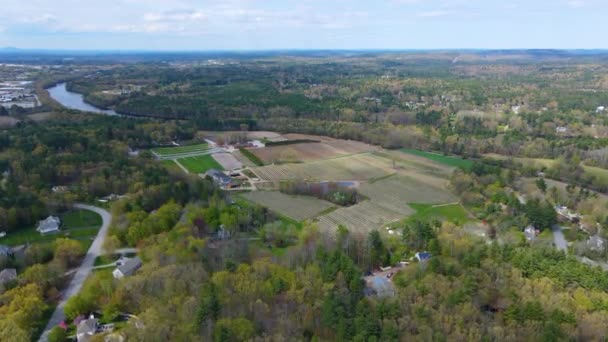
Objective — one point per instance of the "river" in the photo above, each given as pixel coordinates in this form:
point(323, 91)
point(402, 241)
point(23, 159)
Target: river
point(73, 100)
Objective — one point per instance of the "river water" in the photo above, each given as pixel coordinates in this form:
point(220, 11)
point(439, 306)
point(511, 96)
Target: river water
point(73, 100)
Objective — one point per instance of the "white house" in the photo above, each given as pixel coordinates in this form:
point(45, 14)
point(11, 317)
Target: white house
point(600, 109)
point(127, 268)
point(86, 329)
point(49, 225)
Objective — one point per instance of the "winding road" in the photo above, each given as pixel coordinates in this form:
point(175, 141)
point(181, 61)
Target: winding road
point(83, 271)
point(558, 238)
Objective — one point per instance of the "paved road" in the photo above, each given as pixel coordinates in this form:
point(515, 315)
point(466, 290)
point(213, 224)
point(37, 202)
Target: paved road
point(559, 239)
point(84, 270)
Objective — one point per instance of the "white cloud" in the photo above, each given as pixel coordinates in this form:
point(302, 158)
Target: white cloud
point(175, 15)
point(432, 14)
point(576, 3)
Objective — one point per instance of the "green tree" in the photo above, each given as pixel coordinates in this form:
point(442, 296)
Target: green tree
point(57, 334)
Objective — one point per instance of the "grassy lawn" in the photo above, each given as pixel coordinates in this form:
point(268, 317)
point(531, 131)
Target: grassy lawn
point(79, 224)
point(442, 159)
point(180, 149)
point(200, 164)
point(451, 212)
point(106, 259)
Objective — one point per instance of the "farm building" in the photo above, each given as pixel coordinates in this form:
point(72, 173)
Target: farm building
point(5, 251)
point(49, 225)
point(128, 268)
point(422, 256)
point(220, 178)
point(7, 274)
point(530, 233)
point(86, 329)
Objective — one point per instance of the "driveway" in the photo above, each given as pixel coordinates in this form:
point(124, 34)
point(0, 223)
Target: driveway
point(82, 273)
point(559, 239)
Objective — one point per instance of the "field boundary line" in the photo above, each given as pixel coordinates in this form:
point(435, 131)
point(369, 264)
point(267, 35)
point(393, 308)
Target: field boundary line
point(180, 165)
point(444, 205)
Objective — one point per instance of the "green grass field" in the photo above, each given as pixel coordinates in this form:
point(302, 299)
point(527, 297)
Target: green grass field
point(81, 225)
point(180, 149)
point(200, 164)
point(451, 212)
point(440, 158)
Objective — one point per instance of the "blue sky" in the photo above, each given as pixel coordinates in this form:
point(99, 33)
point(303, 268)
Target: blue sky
point(303, 24)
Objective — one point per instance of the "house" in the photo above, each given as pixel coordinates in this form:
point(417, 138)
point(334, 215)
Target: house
point(5, 251)
point(127, 268)
point(60, 188)
point(530, 233)
point(596, 243)
point(220, 178)
point(86, 329)
point(422, 256)
point(600, 109)
point(49, 225)
point(7, 275)
point(19, 252)
point(561, 129)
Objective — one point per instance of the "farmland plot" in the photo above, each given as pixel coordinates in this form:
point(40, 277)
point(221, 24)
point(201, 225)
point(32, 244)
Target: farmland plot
point(304, 152)
point(356, 167)
point(227, 160)
point(362, 218)
point(388, 202)
point(398, 190)
point(296, 207)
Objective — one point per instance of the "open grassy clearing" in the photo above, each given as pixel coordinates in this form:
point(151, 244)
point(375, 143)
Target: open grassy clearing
point(200, 164)
point(600, 174)
point(450, 212)
point(439, 158)
point(298, 208)
point(356, 167)
point(78, 224)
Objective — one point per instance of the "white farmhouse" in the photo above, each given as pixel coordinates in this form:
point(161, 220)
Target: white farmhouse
point(49, 225)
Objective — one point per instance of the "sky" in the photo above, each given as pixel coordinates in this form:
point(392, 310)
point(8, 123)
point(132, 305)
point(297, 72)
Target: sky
point(305, 24)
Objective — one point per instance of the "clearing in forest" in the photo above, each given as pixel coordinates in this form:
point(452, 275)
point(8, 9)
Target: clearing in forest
point(298, 208)
point(388, 203)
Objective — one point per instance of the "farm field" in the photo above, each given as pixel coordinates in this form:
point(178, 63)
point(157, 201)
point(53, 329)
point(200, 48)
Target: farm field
point(304, 152)
point(163, 151)
point(442, 159)
point(227, 161)
point(409, 161)
point(200, 164)
point(396, 191)
point(81, 225)
point(356, 167)
point(362, 218)
point(388, 203)
point(298, 208)
point(451, 212)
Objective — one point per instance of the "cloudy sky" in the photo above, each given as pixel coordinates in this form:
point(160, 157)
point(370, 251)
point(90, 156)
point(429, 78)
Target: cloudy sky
point(303, 24)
